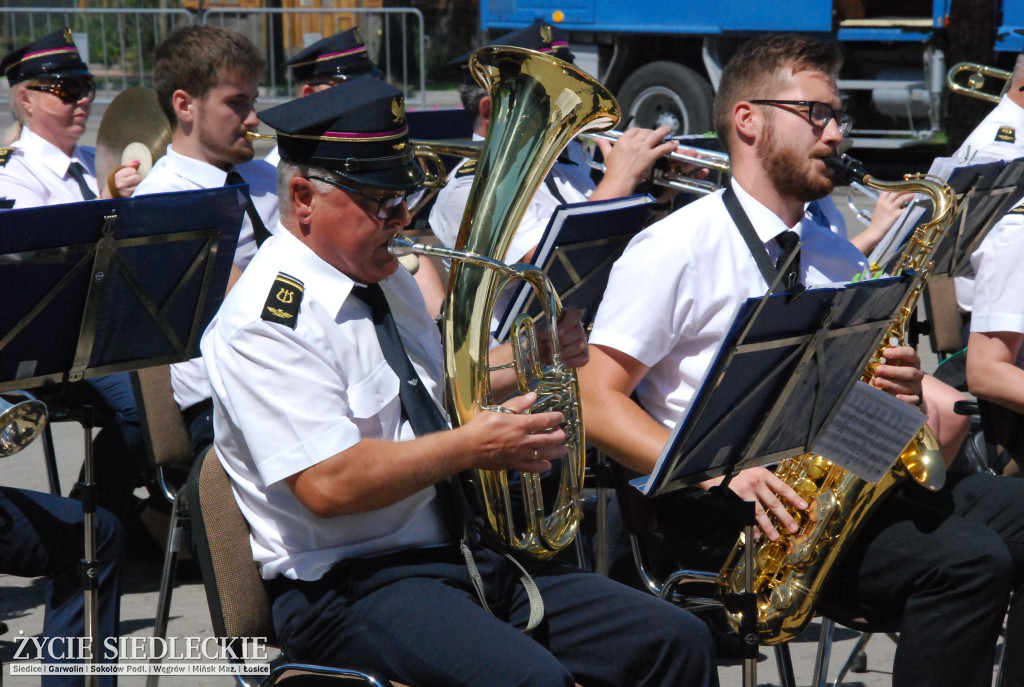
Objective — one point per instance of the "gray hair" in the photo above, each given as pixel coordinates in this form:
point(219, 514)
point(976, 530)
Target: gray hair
point(286, 171)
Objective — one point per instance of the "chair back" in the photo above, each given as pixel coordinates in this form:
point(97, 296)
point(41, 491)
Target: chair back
point(239, 604)
point(947, 323)
point(164, 430)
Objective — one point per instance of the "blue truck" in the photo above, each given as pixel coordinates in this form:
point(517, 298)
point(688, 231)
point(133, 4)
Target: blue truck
point(663, 58)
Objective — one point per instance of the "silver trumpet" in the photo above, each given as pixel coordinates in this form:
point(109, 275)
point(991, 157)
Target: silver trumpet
point(663, 173)
point(20, 422)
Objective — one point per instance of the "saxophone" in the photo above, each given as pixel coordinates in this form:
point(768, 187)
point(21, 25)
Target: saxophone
point(789, 573)
point(539, 103)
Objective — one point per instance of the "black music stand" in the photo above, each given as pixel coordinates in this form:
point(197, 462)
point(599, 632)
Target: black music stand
point(100, 287)
point(984, 193)
point(576, 251)
point(779, 377)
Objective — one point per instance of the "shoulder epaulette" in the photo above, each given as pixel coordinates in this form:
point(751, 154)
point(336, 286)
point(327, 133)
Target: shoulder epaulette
point(1019, 210)
point(283, 301)
point(468, 168)
point(1007, 134)
point(5, 155)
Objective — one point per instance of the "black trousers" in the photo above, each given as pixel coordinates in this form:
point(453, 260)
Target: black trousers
point(414, 617)
point(938, 567)
point(43, 535)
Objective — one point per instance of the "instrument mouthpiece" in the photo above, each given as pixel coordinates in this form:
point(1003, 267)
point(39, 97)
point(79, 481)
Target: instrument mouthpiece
point(400, 245)
point(847, 169)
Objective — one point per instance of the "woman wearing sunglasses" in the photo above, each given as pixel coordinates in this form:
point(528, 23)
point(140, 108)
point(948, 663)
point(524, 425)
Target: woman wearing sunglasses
point(51, 96)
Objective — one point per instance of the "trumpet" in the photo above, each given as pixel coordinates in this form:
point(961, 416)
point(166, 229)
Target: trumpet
point(663, 172)
point(977, 73)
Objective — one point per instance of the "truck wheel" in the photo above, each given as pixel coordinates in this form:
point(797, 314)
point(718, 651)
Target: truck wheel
point(665, 92)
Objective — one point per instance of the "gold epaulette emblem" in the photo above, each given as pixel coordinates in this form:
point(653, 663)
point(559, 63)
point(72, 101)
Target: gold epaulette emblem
point(283, 302)
point(467, 169)
point(5, 156)
point(1007, 134)
point(1019, 210)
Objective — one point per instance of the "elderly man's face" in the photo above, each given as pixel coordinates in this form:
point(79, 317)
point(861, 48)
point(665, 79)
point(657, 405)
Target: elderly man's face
point(346, 232)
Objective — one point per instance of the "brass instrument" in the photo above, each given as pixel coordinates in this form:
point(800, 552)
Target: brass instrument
point(789, 573)
point(20, 422)
point(663, 173)
point(977, 73)
point(539, 104)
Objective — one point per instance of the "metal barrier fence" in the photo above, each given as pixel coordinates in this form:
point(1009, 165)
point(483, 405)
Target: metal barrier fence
point(118, 43)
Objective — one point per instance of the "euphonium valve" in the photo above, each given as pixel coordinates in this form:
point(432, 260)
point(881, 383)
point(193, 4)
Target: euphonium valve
point(789, 573)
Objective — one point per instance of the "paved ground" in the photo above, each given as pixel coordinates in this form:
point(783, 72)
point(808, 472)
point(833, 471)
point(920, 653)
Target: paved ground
point(21, 599)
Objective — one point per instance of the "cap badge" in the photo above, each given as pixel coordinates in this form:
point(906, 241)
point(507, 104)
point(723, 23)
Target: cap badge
point(398, 110)
point(546, 33)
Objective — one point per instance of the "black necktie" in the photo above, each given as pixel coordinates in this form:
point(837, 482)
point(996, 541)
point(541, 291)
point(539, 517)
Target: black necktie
point(259, 230)
point(788, 241)
point(77, 172)
point(417, 405)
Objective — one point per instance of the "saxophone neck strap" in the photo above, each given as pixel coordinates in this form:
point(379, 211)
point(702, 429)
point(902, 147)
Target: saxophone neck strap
point(746, 229)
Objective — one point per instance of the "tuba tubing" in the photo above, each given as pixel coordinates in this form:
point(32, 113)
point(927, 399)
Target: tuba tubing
point(789, 573)
point(539, 103)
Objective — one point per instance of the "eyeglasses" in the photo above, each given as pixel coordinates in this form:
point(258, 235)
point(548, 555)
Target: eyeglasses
point(818, 113)
point(386, 207)
point(68, 90)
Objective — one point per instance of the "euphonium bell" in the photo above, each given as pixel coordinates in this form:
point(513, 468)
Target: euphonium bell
point(20, 422)
point(539, 103)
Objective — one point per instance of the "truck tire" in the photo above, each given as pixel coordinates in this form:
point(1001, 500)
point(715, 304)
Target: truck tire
point(668, 93)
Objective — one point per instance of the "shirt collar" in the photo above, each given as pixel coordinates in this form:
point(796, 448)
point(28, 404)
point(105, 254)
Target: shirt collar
point(47, 154)
point(767, 225)
point(201, 173)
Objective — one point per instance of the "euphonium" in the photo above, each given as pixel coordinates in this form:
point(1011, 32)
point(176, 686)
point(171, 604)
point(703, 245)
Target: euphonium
point(790, 572)
point(539, 104)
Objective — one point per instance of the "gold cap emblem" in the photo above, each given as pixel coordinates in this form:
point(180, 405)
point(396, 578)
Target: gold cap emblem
point(398, 109)
point(546, 33)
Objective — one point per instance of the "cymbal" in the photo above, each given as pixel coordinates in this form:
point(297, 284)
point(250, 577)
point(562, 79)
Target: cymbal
point(133, 128)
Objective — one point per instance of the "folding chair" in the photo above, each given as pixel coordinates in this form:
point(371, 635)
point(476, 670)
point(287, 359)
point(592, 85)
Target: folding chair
point(167, 443)
point(238, 601)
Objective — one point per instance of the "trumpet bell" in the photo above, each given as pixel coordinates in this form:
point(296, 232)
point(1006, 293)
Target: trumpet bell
point(20, 423)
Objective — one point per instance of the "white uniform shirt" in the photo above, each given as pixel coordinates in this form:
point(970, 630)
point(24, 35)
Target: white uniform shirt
point(571, 179)
point(273, 157)
point(36, 173)
point(174, 172)
point(672, 295)
point(286, 399)
point(1000, 136)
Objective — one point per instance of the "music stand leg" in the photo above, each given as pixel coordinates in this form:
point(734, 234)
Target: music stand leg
point(89, 565)
point(50, 455)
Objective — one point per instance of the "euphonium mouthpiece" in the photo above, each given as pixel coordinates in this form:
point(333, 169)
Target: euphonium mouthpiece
point(847, 169)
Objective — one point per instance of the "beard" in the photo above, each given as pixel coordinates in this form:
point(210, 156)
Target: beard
point(788, 169)
point(235, 152)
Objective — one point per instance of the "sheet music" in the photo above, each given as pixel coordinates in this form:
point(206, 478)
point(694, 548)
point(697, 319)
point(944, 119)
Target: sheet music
point(868, 432)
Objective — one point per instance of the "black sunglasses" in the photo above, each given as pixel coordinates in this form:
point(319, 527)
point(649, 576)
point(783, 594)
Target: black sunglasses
point(386, 207)
point(68, 90)
point(818, 113)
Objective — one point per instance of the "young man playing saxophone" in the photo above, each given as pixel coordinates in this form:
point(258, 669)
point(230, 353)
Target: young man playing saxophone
point(942, 565)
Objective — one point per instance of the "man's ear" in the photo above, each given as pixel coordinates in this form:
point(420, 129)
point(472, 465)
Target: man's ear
point(745, 120)
point(24, 101)
point(485, 110)
point(181, 103)
point(302, 195)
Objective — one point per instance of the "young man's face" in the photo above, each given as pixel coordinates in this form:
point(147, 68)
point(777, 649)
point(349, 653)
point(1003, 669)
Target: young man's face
point(223, 116)
point(791, 147)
